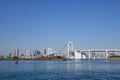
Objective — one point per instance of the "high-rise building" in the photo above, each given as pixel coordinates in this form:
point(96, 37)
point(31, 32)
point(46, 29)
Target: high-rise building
point(16, 53)
point(49, 51)
point(37, 52)
point(10, 55)
point(44, 52)
point(28, 54)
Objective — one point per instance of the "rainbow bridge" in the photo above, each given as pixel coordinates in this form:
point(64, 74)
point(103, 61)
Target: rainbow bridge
point(69, 52)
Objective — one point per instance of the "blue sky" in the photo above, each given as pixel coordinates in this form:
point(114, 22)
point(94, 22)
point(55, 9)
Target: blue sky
point(28, 24)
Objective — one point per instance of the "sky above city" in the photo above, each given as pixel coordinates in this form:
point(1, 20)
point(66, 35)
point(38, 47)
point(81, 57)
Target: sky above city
point(29, 24)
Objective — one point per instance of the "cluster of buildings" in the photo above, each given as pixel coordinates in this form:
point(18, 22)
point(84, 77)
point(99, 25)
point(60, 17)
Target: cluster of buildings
point(28, 54)
point(67, 52)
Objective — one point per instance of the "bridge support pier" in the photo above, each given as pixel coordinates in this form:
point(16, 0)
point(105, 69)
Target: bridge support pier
point(81, 55)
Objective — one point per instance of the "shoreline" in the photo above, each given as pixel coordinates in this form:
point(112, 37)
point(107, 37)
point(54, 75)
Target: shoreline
point(114, 58)
point(44, 58)
point(53, 58)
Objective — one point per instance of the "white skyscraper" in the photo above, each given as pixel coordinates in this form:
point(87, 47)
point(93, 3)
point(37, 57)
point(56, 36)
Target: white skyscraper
point(28, 54)
point(16, 53)
point(49, 51)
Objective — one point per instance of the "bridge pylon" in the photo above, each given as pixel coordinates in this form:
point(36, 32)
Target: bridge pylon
point(66, 50)
point(69, 49)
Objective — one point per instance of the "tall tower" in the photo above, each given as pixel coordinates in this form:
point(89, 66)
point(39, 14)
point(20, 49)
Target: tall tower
point(44, 52)
point(16, 53)
point(28, 54)
point(49, 51)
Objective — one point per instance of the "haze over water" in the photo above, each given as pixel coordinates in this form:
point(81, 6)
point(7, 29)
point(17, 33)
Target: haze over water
point(60, 70)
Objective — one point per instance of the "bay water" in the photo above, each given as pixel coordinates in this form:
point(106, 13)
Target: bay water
point(60, 70)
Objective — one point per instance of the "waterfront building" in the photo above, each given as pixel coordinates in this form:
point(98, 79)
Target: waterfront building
point(16, 53)
point(79, 55)
point(9, 56)
point(28, 54)
point(2, 56)
point(49, 51)
point(37, 53)
point(44, 52)
point(22, 56)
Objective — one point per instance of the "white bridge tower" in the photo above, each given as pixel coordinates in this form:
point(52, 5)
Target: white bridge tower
point(66, 50)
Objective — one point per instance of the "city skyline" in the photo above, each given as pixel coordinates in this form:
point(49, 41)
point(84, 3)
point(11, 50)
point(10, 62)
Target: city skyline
point(42, 24)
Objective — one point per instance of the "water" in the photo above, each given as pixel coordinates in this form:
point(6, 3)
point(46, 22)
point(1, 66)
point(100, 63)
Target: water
point(60, 70)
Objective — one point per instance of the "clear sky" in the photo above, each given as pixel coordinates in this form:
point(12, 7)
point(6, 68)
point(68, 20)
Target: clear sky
point(28, 24)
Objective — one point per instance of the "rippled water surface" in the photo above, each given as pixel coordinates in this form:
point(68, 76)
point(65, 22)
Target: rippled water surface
point(60, 70)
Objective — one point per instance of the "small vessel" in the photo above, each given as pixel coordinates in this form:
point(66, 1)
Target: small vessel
point(16, 62)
